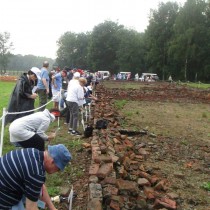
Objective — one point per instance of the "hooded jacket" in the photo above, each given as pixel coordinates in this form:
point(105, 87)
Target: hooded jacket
point(24, 128)
point(19, 99)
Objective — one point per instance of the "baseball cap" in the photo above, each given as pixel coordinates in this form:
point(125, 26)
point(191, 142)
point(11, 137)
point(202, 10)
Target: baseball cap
point(76, 74)
point(60, 155)
point(36, 71)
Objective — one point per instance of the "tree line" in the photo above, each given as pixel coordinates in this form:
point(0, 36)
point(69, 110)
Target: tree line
point(176, 42)
point(9, 61)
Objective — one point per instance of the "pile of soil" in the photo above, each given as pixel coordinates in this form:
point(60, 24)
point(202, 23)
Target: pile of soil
point(8, 78)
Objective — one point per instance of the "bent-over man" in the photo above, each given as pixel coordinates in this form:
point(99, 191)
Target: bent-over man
point(23, 174)
point(29, 131)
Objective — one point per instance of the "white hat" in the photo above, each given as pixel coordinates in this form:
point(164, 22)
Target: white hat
point(36, 71)
point(76, 74)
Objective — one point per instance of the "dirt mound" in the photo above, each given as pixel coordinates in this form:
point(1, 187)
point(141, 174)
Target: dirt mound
point(8, 78)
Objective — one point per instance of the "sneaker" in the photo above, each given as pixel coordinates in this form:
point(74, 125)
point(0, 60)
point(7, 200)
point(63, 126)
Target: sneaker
point(70, 130)
point(76, 133)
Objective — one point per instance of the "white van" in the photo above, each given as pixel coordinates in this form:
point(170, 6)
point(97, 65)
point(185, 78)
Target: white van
point(148, 77)
point(125, 74)
point(103, 75)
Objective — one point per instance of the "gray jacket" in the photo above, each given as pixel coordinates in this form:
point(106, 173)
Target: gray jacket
point(24, 128)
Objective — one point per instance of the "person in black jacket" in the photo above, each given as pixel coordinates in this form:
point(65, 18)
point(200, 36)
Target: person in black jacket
point(23, 95)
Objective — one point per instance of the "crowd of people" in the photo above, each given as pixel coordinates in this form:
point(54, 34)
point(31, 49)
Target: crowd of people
point(22, 171)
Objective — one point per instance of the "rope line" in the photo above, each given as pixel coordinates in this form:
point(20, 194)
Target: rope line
point(13, 113)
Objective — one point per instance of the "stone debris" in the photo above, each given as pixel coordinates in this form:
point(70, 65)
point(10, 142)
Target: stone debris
point(118, 179)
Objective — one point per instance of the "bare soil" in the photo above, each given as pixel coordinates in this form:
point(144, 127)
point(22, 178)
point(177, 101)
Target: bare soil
point(180, 146)
point(8, 78)
point(180, 151)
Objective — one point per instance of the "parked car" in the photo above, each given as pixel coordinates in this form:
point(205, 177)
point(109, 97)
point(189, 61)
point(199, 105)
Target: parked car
point(148, 77)
point(104, 74)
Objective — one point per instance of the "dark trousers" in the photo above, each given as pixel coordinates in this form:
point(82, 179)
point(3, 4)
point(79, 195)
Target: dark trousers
point(42, 98)
point(34, 142)
point(73, 114)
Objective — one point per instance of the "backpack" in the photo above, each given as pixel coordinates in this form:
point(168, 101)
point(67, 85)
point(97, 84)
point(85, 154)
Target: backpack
point(88, 132)
point(101, 124)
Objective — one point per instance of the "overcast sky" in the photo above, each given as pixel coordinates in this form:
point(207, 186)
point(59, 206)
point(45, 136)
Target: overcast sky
point(36, 25)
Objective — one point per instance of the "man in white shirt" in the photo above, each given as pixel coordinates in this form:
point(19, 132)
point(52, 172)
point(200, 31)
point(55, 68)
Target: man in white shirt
point(75, 98)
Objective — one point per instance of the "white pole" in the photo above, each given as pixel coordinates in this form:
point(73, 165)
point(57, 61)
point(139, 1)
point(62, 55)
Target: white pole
point(70, 198)
point(86, 114)
point(82, 121)
point(59, 108)
point(2, 130)
point(89, 109)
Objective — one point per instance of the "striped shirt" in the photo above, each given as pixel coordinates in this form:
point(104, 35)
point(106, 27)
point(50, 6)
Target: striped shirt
point(21, 173)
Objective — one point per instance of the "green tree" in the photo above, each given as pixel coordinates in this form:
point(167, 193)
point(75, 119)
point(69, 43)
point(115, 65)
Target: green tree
point(103, 46)
point(24, 63)
point(190, 46)
point(5, 48)
point(131, 50)
point(72, 50)
point(158, 36)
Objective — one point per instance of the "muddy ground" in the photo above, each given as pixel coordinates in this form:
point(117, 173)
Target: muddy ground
point(179, 149)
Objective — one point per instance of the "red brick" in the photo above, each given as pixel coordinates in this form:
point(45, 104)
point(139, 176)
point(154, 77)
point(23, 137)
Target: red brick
point(126, 185)
point(114, 205)
point(103, 158)
point(116, 141)
point(149, 193)
point(93, 169)
point(109, 180)
point(110, 190)
point(161, 185)
point(94, 204)
point(145, 175)
point(128, 143)
point(143, 182)
point(126, 163)
point(165, 203)
point(105, 170)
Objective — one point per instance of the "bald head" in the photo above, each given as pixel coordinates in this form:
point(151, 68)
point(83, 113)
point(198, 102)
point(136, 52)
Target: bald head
point(46, 64)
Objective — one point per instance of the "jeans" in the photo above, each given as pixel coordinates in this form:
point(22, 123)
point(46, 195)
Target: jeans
point(19, 206)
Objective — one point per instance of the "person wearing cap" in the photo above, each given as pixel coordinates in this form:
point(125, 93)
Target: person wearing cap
point(23, 95)
point(23, 174)
point(43, 85)
point(29, 131)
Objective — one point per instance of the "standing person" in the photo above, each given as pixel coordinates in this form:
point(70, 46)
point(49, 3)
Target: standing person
point(23, 174)
point(51, 73)
point(29, 131)
point(43, 85)
point(56, 86)
point(23, 95)
point(64, 87)
point(170, 79)
point(70, 74)
point(63, 105)
point(75, 98)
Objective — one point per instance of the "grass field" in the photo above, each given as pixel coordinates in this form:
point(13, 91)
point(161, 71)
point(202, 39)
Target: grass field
point(6, 90)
